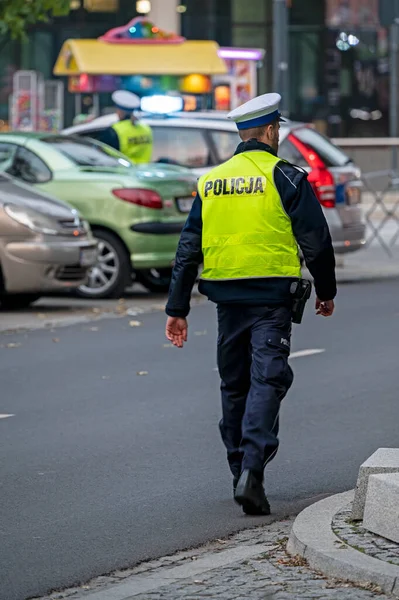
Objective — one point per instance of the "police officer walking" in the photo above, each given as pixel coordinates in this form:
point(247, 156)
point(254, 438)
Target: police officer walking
point(129, 135)
point(247, 220)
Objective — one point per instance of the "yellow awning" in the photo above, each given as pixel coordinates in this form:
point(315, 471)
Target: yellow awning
point(95, 57)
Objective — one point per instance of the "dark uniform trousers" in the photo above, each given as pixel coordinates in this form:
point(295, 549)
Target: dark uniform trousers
point(253, 351)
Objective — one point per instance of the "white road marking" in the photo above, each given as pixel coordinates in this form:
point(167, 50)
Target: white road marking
point(309, 352)
point(5, 416)
point(298, 354)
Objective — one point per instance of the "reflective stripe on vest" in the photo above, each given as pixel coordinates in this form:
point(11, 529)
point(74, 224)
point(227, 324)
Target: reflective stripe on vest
point(246, 232)
point(135, 140)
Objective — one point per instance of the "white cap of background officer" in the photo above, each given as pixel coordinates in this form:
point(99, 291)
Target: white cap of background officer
point(125, 101)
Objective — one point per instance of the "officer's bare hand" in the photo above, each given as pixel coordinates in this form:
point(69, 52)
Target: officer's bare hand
point(324, 308)
point(176, 331)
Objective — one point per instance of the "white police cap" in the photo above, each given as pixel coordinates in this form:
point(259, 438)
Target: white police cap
point(262, 110)
point(125, 100)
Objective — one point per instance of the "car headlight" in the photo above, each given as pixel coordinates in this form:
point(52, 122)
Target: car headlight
point(33, 220)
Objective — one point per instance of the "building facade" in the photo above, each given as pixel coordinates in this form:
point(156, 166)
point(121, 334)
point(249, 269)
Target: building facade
point(338, 59)
point(338, 56)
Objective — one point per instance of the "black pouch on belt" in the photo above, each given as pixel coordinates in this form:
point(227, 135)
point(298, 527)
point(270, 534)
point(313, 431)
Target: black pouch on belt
point(300, 291)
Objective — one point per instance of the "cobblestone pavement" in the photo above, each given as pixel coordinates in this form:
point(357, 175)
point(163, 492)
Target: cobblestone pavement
point(355, 535)
point(251, 565)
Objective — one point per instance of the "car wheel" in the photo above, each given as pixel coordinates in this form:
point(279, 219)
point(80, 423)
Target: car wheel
point(17, 301)
point(109, 277)
point(155, 280)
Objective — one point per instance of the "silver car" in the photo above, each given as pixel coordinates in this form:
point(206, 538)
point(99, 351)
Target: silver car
point(44, 245)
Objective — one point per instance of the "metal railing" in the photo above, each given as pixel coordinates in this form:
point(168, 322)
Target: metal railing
point(381, 209)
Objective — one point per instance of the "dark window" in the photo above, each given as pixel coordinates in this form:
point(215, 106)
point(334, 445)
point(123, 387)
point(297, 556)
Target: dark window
point(288, 151)
point(29, 167)
point(7, 153)
point(226, 143)
point(184, 146)
point(86, 153)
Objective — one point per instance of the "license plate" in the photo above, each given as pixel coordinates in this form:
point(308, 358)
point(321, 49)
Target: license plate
point(185, 204)
point(353, 195)
point(88, 256)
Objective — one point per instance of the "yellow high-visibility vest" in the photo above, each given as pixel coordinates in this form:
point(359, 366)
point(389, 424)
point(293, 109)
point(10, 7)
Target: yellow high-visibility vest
point(246, 231)
point(135, 140)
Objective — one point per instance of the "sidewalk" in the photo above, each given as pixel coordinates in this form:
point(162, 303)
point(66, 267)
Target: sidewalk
point(252, 565)
point(341, 547)
point(370, 264)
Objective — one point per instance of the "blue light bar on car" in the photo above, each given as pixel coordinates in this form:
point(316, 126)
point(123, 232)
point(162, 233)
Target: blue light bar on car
point(161, 105)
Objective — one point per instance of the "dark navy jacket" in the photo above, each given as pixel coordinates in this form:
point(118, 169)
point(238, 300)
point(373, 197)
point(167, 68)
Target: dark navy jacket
point(110, 137)
point(310, 230)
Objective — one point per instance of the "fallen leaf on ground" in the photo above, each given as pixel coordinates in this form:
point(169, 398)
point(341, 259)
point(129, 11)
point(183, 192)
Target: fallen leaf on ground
point(14, 345)
point(222, 541)
point(142, 372)
point(56, 340)
point(135, 323)
point(96, 311)
point(41, 316)
point(120, 309)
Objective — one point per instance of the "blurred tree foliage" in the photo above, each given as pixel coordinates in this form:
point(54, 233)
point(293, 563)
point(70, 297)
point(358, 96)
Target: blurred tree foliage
point(17, 15)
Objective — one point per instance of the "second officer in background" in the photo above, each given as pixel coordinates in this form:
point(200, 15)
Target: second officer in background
point(129, 135)
point(245, 225)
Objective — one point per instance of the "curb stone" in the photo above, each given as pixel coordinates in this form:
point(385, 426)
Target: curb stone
point(313, 539)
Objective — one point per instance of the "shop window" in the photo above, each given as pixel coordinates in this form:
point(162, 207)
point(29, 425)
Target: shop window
point(249, 12)
point(306, 101)
point(37, 53)
point(249, 36)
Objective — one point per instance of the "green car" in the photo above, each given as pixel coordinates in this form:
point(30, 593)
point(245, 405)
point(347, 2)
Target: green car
point(135, 212)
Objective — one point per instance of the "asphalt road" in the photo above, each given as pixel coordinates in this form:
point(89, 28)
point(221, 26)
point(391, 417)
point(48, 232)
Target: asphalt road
point(102, 468)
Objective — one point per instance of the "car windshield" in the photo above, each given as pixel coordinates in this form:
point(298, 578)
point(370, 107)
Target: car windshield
point(87, 152)
point(328, 152)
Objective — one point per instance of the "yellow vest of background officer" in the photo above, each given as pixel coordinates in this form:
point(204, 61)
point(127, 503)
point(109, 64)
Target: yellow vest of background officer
point(135, 140)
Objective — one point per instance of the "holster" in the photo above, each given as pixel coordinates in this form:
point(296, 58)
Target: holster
point(300, 291)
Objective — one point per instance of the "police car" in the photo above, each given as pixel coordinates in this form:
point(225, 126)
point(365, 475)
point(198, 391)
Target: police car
point(200, 141)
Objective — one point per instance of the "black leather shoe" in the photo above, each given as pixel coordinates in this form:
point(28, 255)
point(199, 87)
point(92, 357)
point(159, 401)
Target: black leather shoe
point(251, 495)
